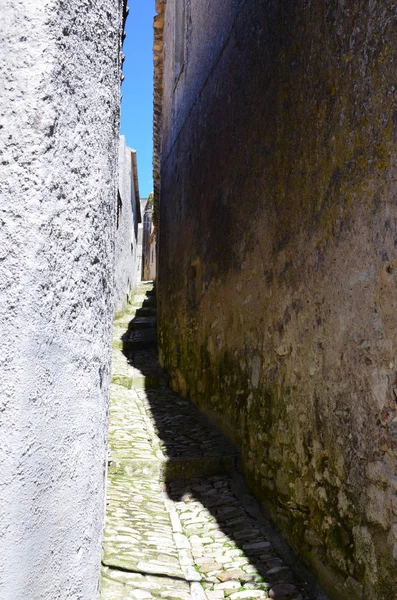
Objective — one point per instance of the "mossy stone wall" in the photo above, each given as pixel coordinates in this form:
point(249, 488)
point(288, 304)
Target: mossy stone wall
point(278, 265)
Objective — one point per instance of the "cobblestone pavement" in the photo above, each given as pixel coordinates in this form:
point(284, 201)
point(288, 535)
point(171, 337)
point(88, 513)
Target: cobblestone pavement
point(180, 523)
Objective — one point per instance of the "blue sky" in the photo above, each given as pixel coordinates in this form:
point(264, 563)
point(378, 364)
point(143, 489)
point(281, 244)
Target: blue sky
point(137, 89)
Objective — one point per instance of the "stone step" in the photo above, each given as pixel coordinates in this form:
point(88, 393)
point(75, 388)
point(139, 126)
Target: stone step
point(130, 346)
point(148, 322)
point(144, 382)
point(138, 339)
point(149, 382)
point(137, 300)
point(120, 585)
point(147, 311)
point(132, 322)
point(173, 469)
point(149, 302)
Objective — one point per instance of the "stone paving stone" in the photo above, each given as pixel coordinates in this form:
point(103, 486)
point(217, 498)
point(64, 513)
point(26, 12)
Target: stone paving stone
point(175, 526)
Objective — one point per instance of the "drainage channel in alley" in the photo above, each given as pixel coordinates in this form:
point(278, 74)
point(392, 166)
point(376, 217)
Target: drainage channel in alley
point(180, 523)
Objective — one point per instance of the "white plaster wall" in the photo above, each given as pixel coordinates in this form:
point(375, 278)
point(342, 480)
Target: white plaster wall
point(127, 253)
point(59, 116)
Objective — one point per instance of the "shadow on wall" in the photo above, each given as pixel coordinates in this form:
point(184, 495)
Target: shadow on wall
point(200, 473)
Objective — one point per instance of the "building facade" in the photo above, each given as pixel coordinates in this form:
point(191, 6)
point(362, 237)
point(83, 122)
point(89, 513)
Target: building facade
point(59, 124)
point(275, 170)
point(149, 244)
point(128, 218)
point(140, 240)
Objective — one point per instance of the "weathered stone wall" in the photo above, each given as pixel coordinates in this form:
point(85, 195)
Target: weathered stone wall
point(158, 48)
point(128, 216)
point(59, 119)
point(148, 244)
point(277, 286)
point(140, 240)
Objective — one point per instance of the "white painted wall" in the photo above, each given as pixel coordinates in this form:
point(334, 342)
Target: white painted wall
point(127, 220)
point(59, 117)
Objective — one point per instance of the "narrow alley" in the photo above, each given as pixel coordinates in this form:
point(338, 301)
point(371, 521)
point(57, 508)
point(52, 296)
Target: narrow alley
point(180, 523)
point(198, 300)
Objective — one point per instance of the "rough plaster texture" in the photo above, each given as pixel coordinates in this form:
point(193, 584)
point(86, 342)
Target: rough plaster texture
point(128, 265)
point(59, 117)
point(277, 286)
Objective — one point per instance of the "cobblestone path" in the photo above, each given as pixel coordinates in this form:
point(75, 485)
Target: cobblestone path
point(180, 525)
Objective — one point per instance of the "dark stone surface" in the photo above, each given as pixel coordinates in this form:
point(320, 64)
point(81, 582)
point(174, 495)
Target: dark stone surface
point(277, 283)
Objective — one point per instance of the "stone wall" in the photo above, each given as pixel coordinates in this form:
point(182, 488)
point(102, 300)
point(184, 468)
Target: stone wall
point(128, 216)
point(140, 239)
point(277, 286)
point(148, 244)
point(158, 47)
point(59, 120)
